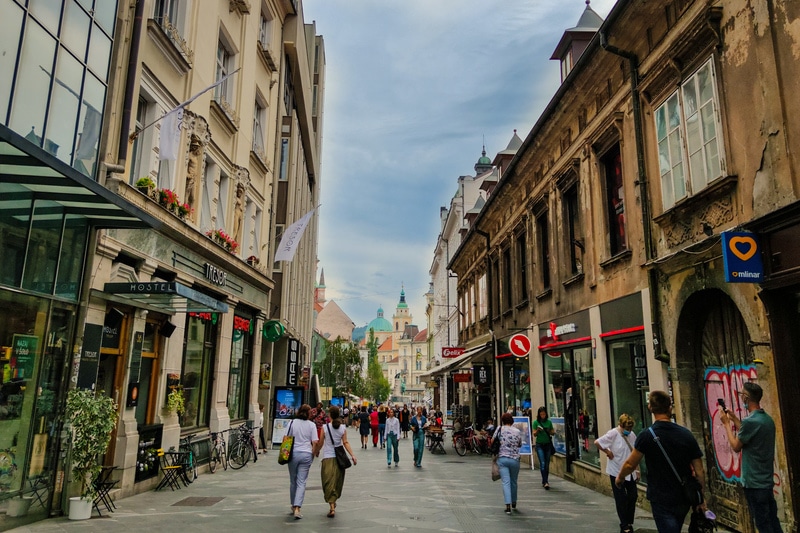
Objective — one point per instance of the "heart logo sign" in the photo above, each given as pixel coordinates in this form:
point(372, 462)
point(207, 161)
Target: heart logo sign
point(743, 247)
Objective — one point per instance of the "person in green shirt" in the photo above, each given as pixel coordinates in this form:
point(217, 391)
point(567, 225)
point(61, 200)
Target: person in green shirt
point(756, 441)
point(543, 431)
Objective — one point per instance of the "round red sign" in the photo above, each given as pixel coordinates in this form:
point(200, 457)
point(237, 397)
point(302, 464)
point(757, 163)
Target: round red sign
point(520, 345)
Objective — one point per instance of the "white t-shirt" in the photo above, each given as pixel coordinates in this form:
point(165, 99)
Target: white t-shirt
point(305, 435)
point(615, 441)
point(327, 447)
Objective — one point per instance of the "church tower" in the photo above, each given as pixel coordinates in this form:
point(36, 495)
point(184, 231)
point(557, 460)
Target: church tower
point(402, 315)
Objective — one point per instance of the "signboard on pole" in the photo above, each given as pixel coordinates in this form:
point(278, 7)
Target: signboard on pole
point(520, 345)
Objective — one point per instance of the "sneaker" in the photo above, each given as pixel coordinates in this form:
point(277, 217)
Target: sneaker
point(547, 486)
point(396, 465)
point(508, 510)
point(513, 505)
point(389, 465)
point(297, 514)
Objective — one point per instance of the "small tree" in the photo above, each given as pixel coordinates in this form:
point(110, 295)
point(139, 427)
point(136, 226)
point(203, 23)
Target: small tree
point(92, 418)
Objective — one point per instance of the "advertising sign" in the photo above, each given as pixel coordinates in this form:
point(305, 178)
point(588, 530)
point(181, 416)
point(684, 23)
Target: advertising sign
point(90, 356)
point(293, 362)
point(741, 257)
point(23, 355)
point(482, 375)
point(448, 352)
point(523, 424)
point(287, 401)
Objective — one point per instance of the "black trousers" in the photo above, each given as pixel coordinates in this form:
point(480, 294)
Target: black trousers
point(625, 500)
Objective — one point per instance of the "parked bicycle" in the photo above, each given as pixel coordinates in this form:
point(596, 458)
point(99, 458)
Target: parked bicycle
point(243, 447)
point(218, 455)
point(189, 452)
point(469, 439)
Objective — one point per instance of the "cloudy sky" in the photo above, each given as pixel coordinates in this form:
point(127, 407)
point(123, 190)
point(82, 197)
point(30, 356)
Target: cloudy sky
point(413, 89)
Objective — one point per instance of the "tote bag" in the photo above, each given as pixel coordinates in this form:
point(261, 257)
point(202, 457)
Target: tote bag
point(287, 444)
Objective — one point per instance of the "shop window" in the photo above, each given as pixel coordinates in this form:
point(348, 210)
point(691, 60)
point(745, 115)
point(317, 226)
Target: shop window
point(197, 368)
point(627, 367)
point(611, 164)
point(516, 384)
point(586, 406)
point(241, 363)
point(687, 131)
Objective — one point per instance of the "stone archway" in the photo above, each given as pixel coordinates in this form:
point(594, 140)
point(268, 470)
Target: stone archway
point(714, 359)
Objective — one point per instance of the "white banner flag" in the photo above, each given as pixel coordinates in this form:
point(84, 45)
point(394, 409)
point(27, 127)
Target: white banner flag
point(170, 136)
point(291, 238)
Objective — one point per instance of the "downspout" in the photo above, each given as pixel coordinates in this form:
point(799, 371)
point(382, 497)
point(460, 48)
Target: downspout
point(495, 365)
point(641, 181)
point(130, 84)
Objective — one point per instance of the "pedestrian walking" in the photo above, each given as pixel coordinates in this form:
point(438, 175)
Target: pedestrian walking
point(617, 444)
point(334, 434)
point(671, 451)
point(508, 459)
point(305, 437)
point(363, 426)
point(319, 417)
point(543, 431)
point(373, 425)
point(756, 441)
point(418, 424)
point(381, 423)
point(405, 418)
point(391, 434)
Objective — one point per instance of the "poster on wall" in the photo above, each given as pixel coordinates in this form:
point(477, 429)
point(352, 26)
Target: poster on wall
point(523, 424)
point(23, 356)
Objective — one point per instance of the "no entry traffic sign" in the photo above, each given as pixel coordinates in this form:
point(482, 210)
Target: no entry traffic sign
point(520, 345)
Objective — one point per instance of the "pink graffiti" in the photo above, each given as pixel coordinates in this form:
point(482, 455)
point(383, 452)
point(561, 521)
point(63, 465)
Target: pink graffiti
point(725, 383)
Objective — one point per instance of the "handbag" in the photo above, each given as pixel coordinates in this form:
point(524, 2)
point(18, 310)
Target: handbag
point(692, 491)
point(701, 523)
point(341, 454)
point(287, 445)
point(495, 470)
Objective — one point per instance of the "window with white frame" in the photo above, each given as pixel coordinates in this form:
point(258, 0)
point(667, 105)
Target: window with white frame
point(224, 67)
point(482, 297)
point(687, 126)
point(259, 122)
point(264, 30)
point(276, 265)
point(207, 201)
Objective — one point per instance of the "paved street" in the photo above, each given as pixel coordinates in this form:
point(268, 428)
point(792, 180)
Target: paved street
point(449, 493)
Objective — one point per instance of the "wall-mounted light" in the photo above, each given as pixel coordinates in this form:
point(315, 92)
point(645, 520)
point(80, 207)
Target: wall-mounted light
point(167, 329)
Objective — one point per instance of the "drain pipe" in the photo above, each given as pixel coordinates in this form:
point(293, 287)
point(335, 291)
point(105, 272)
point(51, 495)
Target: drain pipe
point(641, 181)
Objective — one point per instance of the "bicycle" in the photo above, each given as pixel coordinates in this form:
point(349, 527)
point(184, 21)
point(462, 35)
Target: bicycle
point(468, 438)
point(218, 454)
point(189, 452)
point(243, 447)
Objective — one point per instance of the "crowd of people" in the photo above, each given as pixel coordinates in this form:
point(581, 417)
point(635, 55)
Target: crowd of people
point(671, 452)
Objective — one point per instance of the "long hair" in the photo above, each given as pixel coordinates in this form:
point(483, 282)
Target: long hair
point(541, 410)
point(302, 412)
point(333, 412)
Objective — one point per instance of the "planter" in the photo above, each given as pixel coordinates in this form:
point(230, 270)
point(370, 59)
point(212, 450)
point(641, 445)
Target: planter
point(147, 191)
point(20, 506)
point(80, 508)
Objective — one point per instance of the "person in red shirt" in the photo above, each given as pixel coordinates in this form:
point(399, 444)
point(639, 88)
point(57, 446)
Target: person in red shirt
point(319, 418)
point(373, 424)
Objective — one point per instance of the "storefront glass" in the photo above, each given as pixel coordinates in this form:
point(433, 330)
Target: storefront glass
point(516, 384)
point(35, 337)
point(198, 367)
point(241, 363)
point(586, 406)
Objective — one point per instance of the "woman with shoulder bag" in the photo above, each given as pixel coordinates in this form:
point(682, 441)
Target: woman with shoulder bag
point(305, 439)
point(333, 434)
point(510, 440)
point(617, 444)
point(543, 431)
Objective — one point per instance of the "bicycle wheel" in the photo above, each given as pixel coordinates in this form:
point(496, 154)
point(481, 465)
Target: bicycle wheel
point(461, 446)
point(213, 459)
point(237, 457)
point(188, 465)
point(195, 459)
point(223, 455)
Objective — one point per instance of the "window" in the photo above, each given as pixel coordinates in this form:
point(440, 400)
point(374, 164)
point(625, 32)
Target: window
point(283, 175)
point(138, 143)
point(482, 297)
point(288, 87)
point(495, 287)
point(611, 164)
point(544, 249)
point(507, 279)
point(687, 126)
point(522, 266)
point(222, 199)
point(209, 194)
point(264, 31)
point(259, 121)
point(197, 369)
point(166, 11)
point(566, 64)
point(276, 266)
point(241, 361)
point(224, 91)
point(575, 237)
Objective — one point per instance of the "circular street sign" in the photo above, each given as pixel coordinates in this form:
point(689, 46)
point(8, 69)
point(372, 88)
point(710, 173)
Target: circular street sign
point(273, 330)
point(520, 345)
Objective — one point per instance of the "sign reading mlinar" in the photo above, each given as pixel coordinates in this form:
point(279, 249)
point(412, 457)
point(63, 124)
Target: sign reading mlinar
point(452, 352)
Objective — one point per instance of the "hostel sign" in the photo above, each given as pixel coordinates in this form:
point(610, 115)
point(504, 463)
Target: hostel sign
point(741, 257)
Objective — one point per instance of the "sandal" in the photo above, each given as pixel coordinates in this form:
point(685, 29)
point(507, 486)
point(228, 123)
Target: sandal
point(331, 513)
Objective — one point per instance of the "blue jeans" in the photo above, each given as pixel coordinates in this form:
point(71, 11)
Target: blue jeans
point(509, 472)
point(419, 446)
point(391, 443)
point(669, 518)
point(381, 428)
point(763, 509)
point(543, 453)
point(298, 475)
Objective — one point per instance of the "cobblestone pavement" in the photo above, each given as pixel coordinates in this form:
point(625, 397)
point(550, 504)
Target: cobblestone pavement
point(449, 493)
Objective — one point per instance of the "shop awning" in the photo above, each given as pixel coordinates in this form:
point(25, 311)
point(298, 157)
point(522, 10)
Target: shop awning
point(456, 362)
point(28, 172)
point(168, 296)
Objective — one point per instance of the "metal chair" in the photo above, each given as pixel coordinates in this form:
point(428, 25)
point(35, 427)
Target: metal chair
point(103, 485)
point(170, 472)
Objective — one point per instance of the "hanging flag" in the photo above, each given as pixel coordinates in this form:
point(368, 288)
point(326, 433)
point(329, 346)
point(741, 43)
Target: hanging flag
point(291, 238)
point(170, 137)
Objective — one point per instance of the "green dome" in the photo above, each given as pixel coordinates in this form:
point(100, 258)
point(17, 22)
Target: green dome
point(379, 323)
point(483, 160)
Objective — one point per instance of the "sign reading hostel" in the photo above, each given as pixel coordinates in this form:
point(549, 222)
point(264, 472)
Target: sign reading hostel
point(741, 257)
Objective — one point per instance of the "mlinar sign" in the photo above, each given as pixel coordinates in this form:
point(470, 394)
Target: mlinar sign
point(452, 352)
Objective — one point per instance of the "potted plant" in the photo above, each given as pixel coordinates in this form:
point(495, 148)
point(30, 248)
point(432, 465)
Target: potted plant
point(92, 418)
point(146, 186)
point(175, 401)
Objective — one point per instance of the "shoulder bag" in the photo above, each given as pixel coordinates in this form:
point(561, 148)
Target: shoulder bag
point(692, 492)
point(496, 440)
point(287, 445)
point(341, 454)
